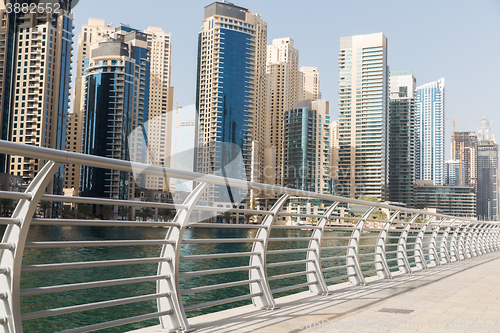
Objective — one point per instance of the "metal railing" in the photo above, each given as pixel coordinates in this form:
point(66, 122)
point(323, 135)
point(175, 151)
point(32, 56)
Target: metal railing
point(333, 249)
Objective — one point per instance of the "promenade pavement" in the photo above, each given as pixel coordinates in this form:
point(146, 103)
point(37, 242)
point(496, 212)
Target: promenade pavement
point(459, 297)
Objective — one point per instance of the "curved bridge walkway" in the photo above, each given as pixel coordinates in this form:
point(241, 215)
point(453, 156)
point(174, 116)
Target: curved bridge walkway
point(459, 297)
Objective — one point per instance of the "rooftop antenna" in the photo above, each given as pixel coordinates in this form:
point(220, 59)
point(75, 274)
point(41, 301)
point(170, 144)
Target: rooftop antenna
point(125, 25)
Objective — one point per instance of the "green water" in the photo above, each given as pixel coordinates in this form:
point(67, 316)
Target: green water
point(78, 319)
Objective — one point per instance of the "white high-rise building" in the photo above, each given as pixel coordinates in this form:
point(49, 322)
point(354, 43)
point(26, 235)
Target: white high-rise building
point(232, 94)
point(282, 68)
point(310, 83)
point(430, 142)
point(364, 106)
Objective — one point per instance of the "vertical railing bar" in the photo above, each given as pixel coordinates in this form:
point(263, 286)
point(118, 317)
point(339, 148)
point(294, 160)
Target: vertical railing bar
point(402, 255)
point(320, 287)
point(177, 319)
point(433, 245)
point(444, 243)
point(420, 259)
point(380, 255)
point(16, 234)
point(354, 269)
point(265, 300)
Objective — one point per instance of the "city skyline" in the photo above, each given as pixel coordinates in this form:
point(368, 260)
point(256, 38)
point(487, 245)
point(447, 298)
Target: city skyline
point(428, 54)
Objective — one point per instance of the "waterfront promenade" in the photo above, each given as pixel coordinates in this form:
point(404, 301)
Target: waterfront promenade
point(459, 297)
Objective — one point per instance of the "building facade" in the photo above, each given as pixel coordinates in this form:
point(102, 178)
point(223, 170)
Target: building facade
point(430, 142)
point(464, 150)
point(283, 70)
point(35, 81)
point(231, 95)
point(459, 201)
point(116, 103)
point(487, 172)
point(306, 158)
point(364, 106)
point(452, 173)
point(310, 83)
point(403, 87)
point(92, 32)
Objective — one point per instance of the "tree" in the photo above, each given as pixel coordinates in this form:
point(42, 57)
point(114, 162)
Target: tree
point(311, 220)
point(368, 198)
point(106, 211)
point(85, 209)
point(146, 213)
point(6, 205)
point(166, 213)
point(226, 216)
point(66, 209)
point(248, 217)
point(45, 205)
point(380, 215)
point(126, 212)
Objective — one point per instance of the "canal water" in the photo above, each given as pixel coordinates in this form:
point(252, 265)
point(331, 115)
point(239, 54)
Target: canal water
point(78, 319)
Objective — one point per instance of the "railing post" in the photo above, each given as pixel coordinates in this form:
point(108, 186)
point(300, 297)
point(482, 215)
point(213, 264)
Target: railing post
point(433, 245)
point(354, 267)
point(454, 242)
point(487, 238)
point(320, 287)
point(177, 320)
point(471, 238)
point(492, 237)
point(380, 255)
point(402, 254)
point(420, 260)
point(11, 260)
point(482, 228)
point(444, 243)
point(265, 300)
point(462, 241)
point(496, 238)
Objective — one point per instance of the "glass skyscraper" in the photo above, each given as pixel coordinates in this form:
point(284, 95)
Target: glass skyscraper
point(231, 97)
point(116, 102)
point(430, 132)
point(402, 137)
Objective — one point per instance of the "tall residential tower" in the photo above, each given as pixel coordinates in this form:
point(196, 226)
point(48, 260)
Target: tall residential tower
point(430, 132)
point(35, 53)
point(402, 137)
point(364, 106)
point(232, 93)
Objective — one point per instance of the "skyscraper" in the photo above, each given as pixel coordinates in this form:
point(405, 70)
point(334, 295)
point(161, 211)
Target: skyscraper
point(116, 103)
point(92, 32)
point(430, 132)
point(35, 80)
point(310, 83)
point(306, 157)
point(282, 67)
point(159, 127)
point(452, 173)
point(402, 137)
point(464, 150)
point(231, 96)
point(488, 178)
point(364, 99)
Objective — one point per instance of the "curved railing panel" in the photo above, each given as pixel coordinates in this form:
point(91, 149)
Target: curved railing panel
point(205, 266)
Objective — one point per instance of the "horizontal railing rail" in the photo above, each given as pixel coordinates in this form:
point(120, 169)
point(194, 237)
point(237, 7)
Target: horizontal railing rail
point(260, 262)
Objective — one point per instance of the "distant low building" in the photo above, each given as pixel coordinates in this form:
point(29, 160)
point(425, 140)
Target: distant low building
point(457, 201)
point(11, 183)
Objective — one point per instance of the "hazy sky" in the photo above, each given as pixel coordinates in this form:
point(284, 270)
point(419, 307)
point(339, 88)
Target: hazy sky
point(457, 40)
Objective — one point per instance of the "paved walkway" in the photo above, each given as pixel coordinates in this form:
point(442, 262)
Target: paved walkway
point(458, 297)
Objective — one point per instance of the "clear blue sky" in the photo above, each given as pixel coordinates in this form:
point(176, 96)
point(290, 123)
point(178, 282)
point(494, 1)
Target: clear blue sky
point(458, 40)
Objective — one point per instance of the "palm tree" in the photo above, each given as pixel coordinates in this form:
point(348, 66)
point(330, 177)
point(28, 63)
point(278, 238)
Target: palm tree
point(45, 205)
point(146, 213)
point(6, 205)
point(66, 209)
point(226, 216)
point(106, 211)
point(84, 209)
point(166, 213)
point(126, 211)
point(248, 217)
